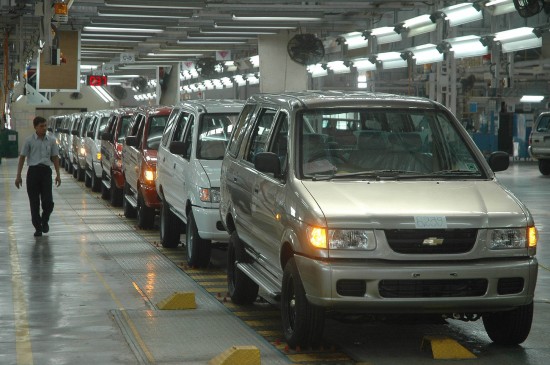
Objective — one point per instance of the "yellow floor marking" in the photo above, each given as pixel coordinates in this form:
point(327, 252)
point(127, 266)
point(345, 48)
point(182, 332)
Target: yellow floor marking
point(444, 348)
point(266, 323)
point(23, 347)
point(321, 356)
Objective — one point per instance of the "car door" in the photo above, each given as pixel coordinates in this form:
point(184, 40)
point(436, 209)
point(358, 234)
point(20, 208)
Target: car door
point(181, 170)
point(244, 195)
point(164, 159)
point(268, 199)
point(131, 153)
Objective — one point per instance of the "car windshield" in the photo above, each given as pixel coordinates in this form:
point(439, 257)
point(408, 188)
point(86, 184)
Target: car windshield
point(156, 127)
point(383, 143)
point(213, 134)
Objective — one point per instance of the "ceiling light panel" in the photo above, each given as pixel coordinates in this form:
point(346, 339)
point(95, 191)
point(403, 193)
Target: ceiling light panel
point(141, 13)
point(156, 4)
point(113, 29)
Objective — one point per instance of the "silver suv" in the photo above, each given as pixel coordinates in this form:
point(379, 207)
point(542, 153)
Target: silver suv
point(373, 203)
point(188, 175)
point(539, 142)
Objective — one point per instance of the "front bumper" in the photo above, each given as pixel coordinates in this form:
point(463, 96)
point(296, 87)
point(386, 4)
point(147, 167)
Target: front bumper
point(208, 223)
point(320, 280)
point(150, 196)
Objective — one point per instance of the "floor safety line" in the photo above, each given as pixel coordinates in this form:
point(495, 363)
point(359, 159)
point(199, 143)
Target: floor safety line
point(23, 345)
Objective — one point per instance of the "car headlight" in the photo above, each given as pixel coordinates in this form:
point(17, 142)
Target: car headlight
point(511, 238)
point(341, 239)
point(211, 195)
point(351, 239)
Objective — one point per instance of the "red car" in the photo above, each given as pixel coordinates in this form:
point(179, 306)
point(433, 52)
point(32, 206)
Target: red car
point(139, 163)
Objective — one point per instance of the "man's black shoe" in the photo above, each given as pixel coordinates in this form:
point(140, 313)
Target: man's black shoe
point(45, 227)
point(37, 233)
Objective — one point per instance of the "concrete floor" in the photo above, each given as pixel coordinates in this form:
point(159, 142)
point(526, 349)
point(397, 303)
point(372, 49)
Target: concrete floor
point(87, 293)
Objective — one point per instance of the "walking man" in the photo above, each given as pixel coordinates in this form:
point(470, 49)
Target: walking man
point(41, 150)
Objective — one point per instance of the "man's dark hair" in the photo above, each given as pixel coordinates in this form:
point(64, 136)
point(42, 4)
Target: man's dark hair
point(38, 120)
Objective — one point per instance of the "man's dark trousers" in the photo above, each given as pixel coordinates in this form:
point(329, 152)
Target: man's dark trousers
point(39, 189)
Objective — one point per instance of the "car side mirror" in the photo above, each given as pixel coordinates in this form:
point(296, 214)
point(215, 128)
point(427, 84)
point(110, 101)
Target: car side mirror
point(90, 134)
point(499, 161)
point(268, 162)
point(179, 148)
point(131, 141)
point(106, 136)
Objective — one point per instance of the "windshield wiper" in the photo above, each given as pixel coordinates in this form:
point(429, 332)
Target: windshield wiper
point(384, 174)
point(456, 172)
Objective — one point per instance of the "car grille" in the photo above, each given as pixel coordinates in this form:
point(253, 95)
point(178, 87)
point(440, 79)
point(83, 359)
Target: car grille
point(351, 288)
point(431, 241)
point(432, 288)
point(510, 286)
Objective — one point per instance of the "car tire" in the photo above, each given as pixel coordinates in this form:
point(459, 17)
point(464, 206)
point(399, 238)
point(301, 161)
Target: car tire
point(87, 180)
point(241, 288)
point(128, 209)
point(145, 214)
point(198, 249)
point(302, 321)
point(544, 167)
point(105, 192)
point(509, 328)
point(169, 227)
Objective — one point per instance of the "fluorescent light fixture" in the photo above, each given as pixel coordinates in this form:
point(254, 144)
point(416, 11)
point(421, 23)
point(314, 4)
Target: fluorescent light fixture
point(217, 37)
point(467, 46)
point(88, 67)
point(115, 36)
point(317, 70)
point(156, 4)
point(462, 14)
point(285, 18)
point(141, 13)
point(240, 80)
point(253, 79)
point(91, 28)
point(114, 40)
point(355, 40)
point(517, 39)
point(385, 35)
point(426, 53)
point(123, 77)
point(391, 60)
point(339, 67)
point(416, 26)
point(499, 7)
point(236, 32)
point(363, 64)
point(230, 66)
point(252, 26)
point(19, 98)
point(197, 42)
point(255, 61)
point(98, 52)
point(102, 93)
point(159, 55)
point(531, 99)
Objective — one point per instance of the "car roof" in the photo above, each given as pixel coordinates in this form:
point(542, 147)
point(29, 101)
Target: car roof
point(213, 105)
point(336, 98)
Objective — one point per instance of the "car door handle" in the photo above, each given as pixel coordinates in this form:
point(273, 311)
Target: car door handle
point(174, 165)
point(235, 179)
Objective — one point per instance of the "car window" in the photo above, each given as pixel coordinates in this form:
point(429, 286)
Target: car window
point(213, 133)
point(543, 124)
point(240, 129)
point(169, 127)
point(156, 126)
point(124, 126)
point(333, 142)
point(180, 126)
point(279, 145)
point(188, 137)
point(102, 125)
point(260, 133)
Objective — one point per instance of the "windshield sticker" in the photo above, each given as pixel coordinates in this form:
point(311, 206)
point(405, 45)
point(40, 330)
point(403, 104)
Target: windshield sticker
point(430, 222)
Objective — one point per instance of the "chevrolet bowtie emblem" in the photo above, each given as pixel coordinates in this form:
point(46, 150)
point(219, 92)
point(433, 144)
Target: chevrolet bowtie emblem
point(432, 241)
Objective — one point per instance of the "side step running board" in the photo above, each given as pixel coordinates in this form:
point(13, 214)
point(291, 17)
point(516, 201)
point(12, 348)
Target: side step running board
point(131, 199)
point(267, 283)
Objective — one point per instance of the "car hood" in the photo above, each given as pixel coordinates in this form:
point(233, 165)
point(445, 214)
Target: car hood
point(212, 169)
point(406, 204)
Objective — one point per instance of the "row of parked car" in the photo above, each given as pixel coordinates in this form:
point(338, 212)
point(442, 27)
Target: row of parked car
point(331, 202)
